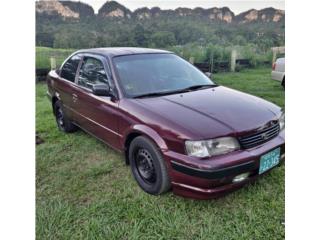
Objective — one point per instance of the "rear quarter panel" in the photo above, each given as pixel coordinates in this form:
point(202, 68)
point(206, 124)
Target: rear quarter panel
point(60, 89)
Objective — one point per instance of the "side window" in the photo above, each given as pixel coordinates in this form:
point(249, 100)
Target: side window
point(91, 72)
point(69, 69)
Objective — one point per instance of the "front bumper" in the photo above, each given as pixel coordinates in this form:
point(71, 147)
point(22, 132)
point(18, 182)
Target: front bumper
point(211, 178)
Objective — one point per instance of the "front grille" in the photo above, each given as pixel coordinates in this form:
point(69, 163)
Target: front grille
point(260, 137)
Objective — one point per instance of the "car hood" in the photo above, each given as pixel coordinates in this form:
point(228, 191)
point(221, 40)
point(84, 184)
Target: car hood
point(213, 112)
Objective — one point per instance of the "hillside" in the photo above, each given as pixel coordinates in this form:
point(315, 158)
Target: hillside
point(68, 24)
point(113, 9)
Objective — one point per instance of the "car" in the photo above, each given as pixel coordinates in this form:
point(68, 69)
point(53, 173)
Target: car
point(177, 128)
point(278, 69)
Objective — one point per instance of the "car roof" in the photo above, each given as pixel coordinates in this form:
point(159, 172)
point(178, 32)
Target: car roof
point(120, 51)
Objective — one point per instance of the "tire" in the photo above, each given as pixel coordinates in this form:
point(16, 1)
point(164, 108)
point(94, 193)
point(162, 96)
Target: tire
point(63, 122)
point(283, 82)
point(148, 166)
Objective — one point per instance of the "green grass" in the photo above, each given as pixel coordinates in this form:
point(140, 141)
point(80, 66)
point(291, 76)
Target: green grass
point(256, 82)
point(84, 190)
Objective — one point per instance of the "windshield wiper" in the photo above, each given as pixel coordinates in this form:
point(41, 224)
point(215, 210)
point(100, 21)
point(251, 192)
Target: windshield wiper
point(200, 86)
point(154, 94)
point(188, 89)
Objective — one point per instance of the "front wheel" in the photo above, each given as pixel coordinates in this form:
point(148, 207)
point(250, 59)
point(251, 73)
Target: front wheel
point(148, 166)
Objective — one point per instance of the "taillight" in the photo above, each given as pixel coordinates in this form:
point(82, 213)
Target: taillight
point(273, 66)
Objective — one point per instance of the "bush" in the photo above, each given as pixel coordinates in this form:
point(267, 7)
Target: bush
point(162, 39)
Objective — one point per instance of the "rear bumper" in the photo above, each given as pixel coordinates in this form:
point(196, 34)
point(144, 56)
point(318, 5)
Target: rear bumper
point(211, 178)
point(275, 75)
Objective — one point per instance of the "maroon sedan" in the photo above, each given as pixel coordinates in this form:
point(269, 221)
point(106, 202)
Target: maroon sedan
point(176, 127)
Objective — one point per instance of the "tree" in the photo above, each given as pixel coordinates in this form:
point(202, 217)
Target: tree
point(162, 39)
point(139, 35)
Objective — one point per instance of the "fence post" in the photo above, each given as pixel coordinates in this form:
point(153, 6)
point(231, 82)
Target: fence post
point(53, 63)
point(274, 55)
point(191, 60)
point(211, 62)
point(233, 60)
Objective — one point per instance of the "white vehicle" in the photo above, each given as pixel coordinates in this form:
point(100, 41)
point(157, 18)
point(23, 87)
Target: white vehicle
point(278, 70)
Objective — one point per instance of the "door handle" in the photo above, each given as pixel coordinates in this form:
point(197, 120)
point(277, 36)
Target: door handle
point(74, 97)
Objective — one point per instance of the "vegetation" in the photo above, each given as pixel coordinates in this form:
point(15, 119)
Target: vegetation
point(84, 190)
point(167, 32)
point(43, 55)
point(210, 53)
point(197, 33)
point(214, 53)
point(184, 30)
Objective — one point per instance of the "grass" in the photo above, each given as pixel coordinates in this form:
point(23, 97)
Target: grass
point(256, 82)
point(84, 190)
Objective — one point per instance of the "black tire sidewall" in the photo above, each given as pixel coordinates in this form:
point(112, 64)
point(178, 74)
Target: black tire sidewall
point(58, 105)
point(162, 182)
point(68, 125)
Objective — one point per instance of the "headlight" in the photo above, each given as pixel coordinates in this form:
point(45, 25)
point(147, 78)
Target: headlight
point(211, 147)
point(281, 121)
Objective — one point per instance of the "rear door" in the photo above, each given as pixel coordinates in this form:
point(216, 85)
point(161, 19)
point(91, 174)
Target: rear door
point(96, 114)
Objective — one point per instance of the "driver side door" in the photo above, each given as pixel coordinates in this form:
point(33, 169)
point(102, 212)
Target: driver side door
point(97, 115)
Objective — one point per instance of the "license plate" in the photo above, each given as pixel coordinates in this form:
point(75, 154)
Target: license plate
point(269, 160)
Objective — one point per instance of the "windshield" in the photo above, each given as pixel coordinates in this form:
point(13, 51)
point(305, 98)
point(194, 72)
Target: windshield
point(144, 74)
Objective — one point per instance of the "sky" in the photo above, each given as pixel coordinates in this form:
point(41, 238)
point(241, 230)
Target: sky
point(237, 6)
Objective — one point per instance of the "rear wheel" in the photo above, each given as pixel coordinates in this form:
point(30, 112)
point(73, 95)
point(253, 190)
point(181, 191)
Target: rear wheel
point(63, 122)
point(148, 166)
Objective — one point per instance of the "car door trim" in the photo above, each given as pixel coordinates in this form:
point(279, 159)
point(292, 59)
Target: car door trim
point(96, 123)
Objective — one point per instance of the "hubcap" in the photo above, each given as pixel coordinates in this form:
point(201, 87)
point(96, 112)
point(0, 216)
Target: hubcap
point(145, 166)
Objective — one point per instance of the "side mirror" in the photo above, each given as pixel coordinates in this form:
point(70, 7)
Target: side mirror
point(209, 74)
point(101, 89)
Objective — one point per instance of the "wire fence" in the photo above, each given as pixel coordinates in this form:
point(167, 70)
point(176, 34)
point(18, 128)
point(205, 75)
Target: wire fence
point(44, 56)
point(43, 60)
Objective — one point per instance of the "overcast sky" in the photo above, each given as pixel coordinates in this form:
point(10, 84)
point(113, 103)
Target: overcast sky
point(236, 6)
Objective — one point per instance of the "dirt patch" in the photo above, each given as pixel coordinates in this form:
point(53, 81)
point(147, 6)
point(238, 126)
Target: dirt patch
point(39, 140)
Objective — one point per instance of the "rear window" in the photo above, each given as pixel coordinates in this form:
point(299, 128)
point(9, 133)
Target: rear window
point(69, 69)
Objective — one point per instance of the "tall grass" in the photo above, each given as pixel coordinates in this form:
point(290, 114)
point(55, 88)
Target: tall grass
point(43, 55)
point(214, 53)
